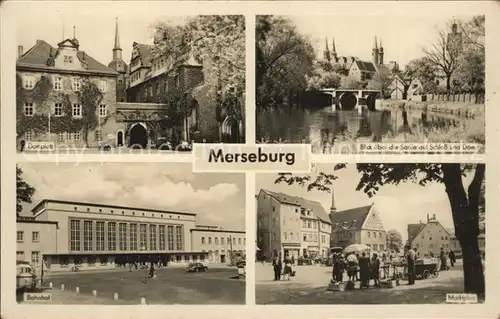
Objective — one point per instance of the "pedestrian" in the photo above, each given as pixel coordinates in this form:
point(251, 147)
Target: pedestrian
point(152, 273)
point(352, 267)
point(376, 263)
point(277, 270)
point(452, 258)
point(342, 267)
point(410, 259)
point(442, 257)
point(364, 270)
point(287, 271)
point(334, 266)
point(357, 258)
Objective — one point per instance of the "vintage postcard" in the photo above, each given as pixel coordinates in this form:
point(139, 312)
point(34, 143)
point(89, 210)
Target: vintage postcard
point(155, 235)
point(332, 82)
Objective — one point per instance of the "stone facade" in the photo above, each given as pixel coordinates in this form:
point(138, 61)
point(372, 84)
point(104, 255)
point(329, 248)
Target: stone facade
point(95, 236)
point(49, 82)
point(361, 225)
point(429, 237)
point(291, 226)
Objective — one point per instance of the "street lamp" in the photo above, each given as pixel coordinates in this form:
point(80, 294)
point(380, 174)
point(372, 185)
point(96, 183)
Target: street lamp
point(146, 268)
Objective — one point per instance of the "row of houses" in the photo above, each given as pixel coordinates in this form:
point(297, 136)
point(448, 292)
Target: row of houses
point(294, 226)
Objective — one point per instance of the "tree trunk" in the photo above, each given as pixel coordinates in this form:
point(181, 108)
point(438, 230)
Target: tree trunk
point(465, 214)
point(448, 83)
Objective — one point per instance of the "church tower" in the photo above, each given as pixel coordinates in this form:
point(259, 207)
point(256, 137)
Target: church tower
point(326, 52)
point(333, 209)
point(381, 53)
point(375, 55)
point(119, 66)
point(334, 51)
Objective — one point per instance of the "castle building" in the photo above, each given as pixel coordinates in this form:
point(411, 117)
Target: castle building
point(357, 68)
point(53, 84)
point(64, 234)
point(291, 226)
point(119, 65)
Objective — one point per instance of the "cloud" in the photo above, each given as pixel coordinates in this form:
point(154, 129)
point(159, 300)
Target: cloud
point(138, 185)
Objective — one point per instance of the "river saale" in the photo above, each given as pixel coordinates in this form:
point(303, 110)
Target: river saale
point(323, 128)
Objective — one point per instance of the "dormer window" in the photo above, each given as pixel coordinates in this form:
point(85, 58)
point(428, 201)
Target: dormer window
point(76, 84)
point(68, 59)
point(28, 82)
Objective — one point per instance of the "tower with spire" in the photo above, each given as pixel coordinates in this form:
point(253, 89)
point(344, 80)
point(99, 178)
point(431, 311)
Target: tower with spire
point(326, 52)
point(375, 52)
point(333, 208)
point(334, 51)
point(381, 53)
point(119, 65)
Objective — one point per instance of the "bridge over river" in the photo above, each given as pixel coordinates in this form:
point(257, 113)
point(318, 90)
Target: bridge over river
point(352, 99)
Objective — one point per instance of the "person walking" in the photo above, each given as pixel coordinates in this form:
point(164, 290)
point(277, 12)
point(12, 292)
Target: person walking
point(277, 269)
point(442, 257)
point(410, 259)
point(376, 263)
point(352, 267)
point(287, 271)
point(452, 258)
point(364, 271)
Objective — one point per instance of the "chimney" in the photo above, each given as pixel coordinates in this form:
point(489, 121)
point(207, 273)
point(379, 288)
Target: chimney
point(420, 221)
point(427, 217)
point(19, 51)
point(434, 216)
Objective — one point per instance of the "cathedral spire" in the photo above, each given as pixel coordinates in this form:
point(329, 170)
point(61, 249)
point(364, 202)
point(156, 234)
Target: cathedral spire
point(117, 37)
point(375, 45)
point(117, 51)
point(334, 50)
point(326, 53)
point(333, 209)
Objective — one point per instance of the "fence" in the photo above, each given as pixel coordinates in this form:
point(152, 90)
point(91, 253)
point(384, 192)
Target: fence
point(472, 98)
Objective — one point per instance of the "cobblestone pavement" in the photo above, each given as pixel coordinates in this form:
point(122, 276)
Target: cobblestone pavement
point(310, 283)
point(172, 286)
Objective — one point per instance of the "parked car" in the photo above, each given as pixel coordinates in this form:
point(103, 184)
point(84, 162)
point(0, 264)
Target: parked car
point(242, 269)
point(196, 267)
point(26, 278)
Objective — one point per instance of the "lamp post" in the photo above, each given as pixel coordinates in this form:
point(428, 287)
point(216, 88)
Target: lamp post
point(146, 268)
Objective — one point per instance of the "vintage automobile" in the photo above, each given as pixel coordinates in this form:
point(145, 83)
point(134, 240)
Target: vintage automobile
point(196, 267)
point(242, 266)
point(26, 278)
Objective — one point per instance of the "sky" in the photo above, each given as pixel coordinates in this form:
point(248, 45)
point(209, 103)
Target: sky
point(218, 199)
point(95, 30)
point(407, 203)
point(403, 37)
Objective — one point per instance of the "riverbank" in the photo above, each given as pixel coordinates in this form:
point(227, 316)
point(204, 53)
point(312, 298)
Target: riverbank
point(461, 109)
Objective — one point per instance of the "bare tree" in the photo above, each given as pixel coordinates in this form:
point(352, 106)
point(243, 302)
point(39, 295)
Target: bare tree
point(444, 55)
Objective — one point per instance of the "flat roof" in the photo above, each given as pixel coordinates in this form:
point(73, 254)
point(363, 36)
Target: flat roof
point(105, 205)
point(218, 230)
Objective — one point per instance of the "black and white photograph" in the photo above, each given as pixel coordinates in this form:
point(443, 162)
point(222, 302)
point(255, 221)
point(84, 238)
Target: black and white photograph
point(411, 233)
point(129, 234)
point(128, 84)
point(342, 80)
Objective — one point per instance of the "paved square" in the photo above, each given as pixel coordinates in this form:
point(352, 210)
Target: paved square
point(172, 286)
point(309, 287)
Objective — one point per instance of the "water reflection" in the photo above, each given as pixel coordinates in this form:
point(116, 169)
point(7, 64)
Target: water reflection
point(323, 128)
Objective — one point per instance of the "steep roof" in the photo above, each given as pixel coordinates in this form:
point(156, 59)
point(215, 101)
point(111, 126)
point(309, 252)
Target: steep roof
point(145, 53)
point(314, 206)
point(365, 66)
point(414, 230)
point(353, 218)
point(40, 53)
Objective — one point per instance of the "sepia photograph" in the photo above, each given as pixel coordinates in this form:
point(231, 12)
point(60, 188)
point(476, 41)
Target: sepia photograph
point(129, 234)
point(340, 80)
point(128, 84)
point(372, 234)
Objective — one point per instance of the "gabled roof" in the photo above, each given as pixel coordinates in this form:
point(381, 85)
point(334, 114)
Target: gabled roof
point(352, 218)
point(315, 207)
point(414, 230)
point(144, 53)
point(40, 53)
point(365, 66)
